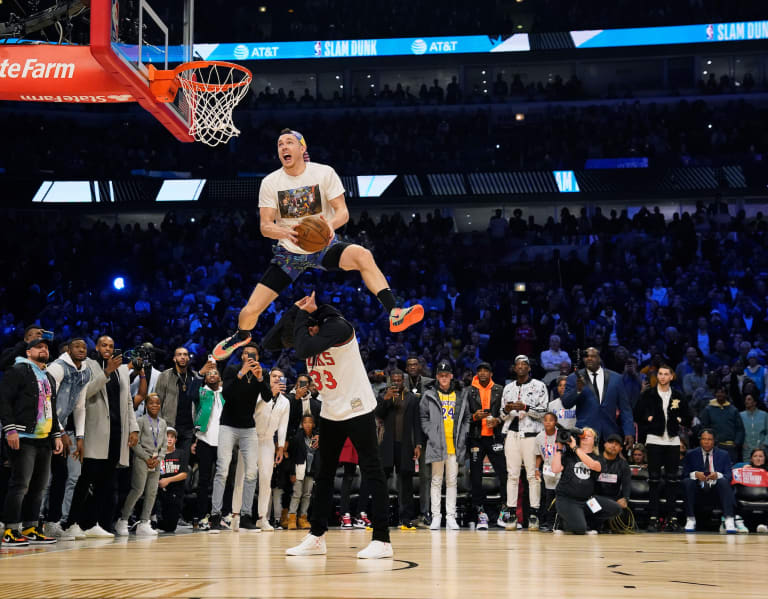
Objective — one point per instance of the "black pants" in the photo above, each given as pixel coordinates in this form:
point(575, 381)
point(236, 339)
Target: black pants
point(478, 449)
point(99, 507)
point(405, 472)
point(30, 466)
point(169, 504)
point(59, 474)
point(668, 457)
point(361, 430)
point(346, 486)
point(548, 509)
point(206, 466)
point(574, 512)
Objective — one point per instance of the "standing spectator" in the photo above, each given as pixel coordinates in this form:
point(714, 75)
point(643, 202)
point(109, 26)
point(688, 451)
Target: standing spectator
point(28, 414)
point(707, 470)
point(566, 417)
point(71, 376)
point(553, 358)
point(695, 380)
point(303, 452)
point(484, 404)
point(271, 420)
point(304, 399)
point(755, 427)
point(598, 395)
point(725, 421)
point(173, 476)
point(401, 445)
point(106, 429)
point(524, 405)
point(417, 383)
point(661, 413)
point(243, 387)
point(445, 422)
point(633, 380)
point(208, 408)
point(525, 336)
point(147, 455)
point(178, 387)
point(8, 357)
point(686, 366)
point(546, 446)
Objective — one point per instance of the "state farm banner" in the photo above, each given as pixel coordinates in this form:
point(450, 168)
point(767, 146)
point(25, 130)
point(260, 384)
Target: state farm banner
point(750, 477)
point(52, 73)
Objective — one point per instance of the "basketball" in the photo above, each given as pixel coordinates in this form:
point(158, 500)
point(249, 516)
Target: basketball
point(314, 235)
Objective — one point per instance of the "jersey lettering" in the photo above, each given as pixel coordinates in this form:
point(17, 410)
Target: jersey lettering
point(329, 361)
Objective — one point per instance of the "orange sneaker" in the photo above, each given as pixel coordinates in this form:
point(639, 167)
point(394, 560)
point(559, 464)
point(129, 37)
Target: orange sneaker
point(402, 318)
point(225, 348)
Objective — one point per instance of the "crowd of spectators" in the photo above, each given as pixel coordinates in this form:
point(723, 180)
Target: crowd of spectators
point(689, 292)
point(376, 141)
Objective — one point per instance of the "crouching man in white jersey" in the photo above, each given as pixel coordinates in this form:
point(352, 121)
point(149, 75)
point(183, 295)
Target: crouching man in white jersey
point(327, 342)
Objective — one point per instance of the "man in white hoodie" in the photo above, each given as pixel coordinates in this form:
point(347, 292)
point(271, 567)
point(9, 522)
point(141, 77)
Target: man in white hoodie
point(271, 417)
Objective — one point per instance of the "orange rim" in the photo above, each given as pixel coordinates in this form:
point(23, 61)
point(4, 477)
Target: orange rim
point(211, 87)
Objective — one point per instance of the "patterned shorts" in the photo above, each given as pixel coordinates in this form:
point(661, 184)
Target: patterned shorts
point(295, 264)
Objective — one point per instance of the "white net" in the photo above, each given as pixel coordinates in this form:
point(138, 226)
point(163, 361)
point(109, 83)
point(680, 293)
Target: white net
point(211, 92)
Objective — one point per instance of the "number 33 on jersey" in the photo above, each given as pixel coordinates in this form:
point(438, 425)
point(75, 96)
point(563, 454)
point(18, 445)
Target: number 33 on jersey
point(321, 368)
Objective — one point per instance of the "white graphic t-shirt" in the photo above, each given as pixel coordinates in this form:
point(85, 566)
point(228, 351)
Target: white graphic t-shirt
point(295, 198)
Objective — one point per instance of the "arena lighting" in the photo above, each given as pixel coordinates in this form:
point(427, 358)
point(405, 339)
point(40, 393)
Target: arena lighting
point(118, 283)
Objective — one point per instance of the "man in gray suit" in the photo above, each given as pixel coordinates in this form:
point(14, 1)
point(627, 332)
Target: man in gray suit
point(106, 428)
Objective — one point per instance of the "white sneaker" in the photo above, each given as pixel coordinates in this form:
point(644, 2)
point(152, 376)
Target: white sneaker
point(54, 529)
point(97, 532)
point(451, 524)
point(75, 531)
point(144, 529)
point(121, 528)
point(482, 521)
point(591, 532)
point(376, 550)
point(264, 525)
point(235, 523)
point(730, 526)
point(437, 521)
point(762, 528)
point(690, 525)
point(740, 526)
point(310, 545)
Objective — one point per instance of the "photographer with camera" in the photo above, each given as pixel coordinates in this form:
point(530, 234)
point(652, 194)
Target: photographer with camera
point(303, 400)
point(580, 465)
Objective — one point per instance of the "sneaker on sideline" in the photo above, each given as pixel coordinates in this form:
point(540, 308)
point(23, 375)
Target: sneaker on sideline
point(76, 532)
point(346, 521)
point(690, 525)
point(437, 522)
point(144, 529)
point(54, 529)
point(482, 521)
point(14, 538)
point(35, 538)
point(451, 524)
point(97, 532)
point(121, 528)
point(264, 525)
point(310, 545)
point(376, 550)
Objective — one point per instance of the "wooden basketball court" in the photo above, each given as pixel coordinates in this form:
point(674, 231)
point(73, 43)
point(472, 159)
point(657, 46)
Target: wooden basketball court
point(463, 564)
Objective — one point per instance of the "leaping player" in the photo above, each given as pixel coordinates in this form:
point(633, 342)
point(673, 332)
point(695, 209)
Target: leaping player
point(281, 212)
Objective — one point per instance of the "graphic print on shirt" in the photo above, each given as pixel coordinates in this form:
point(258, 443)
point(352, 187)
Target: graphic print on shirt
point(321, 369)
point(300, 202)
point(581, 471)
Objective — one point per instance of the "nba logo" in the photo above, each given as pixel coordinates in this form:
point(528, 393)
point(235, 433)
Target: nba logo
point(710, 32)
point(318, 49)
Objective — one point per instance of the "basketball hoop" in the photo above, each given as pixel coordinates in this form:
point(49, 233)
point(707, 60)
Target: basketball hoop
point(211, 90)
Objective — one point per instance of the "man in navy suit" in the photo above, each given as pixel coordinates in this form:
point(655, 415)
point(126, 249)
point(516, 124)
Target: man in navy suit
point(598, 393)
point(707, 469)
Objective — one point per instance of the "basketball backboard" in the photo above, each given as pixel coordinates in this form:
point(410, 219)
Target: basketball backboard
point(129, 35)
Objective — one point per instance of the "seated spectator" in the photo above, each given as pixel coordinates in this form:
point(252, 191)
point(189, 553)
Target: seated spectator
point(755, 427)
point(638, 457)
point(707, 472)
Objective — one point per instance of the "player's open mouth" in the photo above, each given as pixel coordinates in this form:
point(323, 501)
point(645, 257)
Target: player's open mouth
point(287, 157)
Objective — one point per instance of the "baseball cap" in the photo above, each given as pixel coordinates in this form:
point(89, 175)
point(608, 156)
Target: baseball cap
point(614, 437)
point(523, 358)
point(170, 429)
point(36, 342)
point(444, 367)
point(485, 365)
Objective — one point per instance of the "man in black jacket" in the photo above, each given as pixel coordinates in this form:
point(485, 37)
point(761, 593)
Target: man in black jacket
point(417, 384)
point(484, 397)
point(401, 446)
point(8, 357)
point(243, 387)
point(660, 413)
point(28, 414)
point(327, 342)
